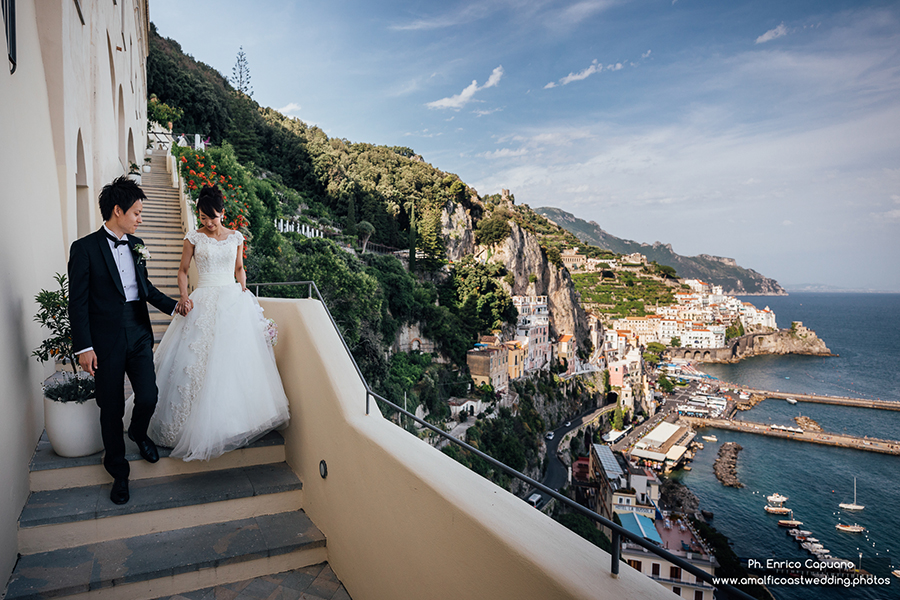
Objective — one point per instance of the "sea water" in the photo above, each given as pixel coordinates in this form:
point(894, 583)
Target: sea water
point(864, 329)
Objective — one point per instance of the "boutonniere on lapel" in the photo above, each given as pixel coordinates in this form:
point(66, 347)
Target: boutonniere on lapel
point(141, 253)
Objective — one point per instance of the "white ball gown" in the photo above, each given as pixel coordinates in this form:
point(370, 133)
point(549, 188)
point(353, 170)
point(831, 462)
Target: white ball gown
point(218, 384)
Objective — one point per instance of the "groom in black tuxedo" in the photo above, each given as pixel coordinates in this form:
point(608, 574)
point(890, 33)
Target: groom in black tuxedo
point(111, 332)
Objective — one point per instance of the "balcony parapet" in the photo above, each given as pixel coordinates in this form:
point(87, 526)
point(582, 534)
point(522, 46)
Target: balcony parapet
point(397, 512)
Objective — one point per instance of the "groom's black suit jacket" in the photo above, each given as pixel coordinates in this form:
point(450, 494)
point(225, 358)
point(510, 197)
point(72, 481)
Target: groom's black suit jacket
point(96, 295)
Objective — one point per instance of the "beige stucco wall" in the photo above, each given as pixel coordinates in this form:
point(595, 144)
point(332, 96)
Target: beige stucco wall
point(32, 251)
point(402, 519)
point(43, 106)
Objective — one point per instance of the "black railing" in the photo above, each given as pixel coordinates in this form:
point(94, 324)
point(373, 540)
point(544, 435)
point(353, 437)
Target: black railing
point(618, 532)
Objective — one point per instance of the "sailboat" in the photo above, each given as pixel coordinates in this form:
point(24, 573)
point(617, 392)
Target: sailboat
point(854, 505)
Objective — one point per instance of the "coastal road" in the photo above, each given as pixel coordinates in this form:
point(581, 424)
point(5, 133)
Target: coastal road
point(557, 474)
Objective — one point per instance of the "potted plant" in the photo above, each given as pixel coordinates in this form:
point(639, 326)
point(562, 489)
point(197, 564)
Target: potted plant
point(134, 173)
point(147, 164)
point(71, 417)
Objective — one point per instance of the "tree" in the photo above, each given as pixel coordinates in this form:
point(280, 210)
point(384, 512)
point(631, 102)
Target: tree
point(240, 75)
point(667, 271)
point(676, 342)
point(656, 348)
point(364, 230)
point(618, 419)
point(665, 384)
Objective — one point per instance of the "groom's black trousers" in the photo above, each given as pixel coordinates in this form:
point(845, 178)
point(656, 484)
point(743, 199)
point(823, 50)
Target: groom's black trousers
point(132, 353)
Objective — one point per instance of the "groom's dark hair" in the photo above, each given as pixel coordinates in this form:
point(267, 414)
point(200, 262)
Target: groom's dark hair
point(121, 192)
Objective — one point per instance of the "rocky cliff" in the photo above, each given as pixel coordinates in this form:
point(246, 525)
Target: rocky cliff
point(522, 256)
point(796, 340)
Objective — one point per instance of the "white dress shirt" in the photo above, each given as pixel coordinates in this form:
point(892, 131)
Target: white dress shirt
point(125, 266)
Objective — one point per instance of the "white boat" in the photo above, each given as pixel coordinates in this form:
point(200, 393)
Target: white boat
point(776, 504)
point(790, 401)
point(853, 505)
point(850, 528)
point(896, 572)
point(710, 438)
point(776, 510)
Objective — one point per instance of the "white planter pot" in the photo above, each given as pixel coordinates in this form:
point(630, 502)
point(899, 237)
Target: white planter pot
point(73, 429)
point(135, 177)
point(149, 151)
point(146, 168)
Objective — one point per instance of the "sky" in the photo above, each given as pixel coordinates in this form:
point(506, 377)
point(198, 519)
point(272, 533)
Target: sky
point(764, 131)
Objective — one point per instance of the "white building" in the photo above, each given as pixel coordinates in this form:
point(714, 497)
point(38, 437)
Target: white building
point(533, 330)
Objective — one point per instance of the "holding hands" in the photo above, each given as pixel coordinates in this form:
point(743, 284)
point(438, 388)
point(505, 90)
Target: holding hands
point(184, 306)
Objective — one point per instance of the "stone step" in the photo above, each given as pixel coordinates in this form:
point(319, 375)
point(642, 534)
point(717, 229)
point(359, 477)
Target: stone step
point(170, 562)
point(51, 472)
point(72, 517)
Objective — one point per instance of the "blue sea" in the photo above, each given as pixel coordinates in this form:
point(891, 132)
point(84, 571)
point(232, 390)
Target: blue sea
point(864, 330)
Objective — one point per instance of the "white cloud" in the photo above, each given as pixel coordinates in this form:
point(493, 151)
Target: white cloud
point(290, 108)
point(581, 75)
point(646, 54)
point(772, 34)
point(504, 153)
point(464, 97)
point(550, 86)
point(484, 113)
point(583, 10)
point(471, 13)
point(615, 67)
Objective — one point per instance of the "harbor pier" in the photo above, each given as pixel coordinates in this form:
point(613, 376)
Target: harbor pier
point(815, 437)
point(838, 400)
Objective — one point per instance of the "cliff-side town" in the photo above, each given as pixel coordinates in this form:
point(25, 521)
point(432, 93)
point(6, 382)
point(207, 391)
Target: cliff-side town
point(613, 481)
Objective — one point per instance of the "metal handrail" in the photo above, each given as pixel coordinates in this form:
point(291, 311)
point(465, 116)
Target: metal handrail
point(617, 530)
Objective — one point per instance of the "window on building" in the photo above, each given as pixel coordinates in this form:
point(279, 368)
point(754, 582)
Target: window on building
point(9, 27)
point(654, 569)
point(636, 565)
point(698, 594)
point(676, 590)
point(675, 573)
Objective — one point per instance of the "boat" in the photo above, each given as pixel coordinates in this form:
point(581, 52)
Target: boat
point(775, 505)
point(850, 528)
point(710, 438)
point(776, 510)
point(896, 572)
point(790, 401)
point(853, 505)
point(686, 467)
point(790, 522)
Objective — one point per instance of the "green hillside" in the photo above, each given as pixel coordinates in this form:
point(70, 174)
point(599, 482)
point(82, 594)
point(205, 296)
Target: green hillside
point(734, 279)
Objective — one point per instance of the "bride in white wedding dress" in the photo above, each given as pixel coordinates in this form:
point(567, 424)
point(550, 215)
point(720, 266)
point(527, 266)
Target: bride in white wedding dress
point(219, 387)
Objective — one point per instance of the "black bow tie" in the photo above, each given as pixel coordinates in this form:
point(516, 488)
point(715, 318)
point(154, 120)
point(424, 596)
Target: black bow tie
point(114, 240)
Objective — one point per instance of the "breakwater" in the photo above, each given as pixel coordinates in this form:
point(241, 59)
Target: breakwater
point(814, 437)
point(837, 400)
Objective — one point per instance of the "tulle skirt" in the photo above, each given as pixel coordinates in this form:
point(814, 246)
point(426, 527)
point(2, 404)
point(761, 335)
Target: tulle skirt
point(219, 388)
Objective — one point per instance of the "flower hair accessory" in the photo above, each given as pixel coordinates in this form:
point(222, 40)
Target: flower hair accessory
point(140, 250)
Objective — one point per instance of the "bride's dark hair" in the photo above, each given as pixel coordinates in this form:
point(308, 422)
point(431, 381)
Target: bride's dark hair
point(210, 201)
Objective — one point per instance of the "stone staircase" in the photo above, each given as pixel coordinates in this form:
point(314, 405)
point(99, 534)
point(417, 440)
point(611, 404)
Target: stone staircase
point(163, 234)
point(190, 528)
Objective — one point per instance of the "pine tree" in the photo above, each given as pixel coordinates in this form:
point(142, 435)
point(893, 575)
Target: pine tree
point(240, 74)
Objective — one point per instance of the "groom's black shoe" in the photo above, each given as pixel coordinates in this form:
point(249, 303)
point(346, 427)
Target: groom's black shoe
point(146, 447)
point(119, 492)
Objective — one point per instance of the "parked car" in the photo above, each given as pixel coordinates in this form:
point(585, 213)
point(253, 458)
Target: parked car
point(549, 435)
point(534, 499)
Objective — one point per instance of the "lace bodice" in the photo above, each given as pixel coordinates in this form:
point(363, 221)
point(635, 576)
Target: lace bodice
point(215, 256)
